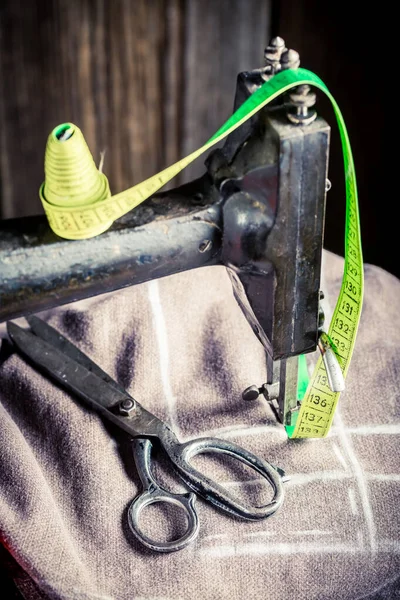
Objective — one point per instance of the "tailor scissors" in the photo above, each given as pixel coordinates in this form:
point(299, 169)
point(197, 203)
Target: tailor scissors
point(63, 362)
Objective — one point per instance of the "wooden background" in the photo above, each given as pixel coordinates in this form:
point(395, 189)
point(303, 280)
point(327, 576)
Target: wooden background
point(150, 80)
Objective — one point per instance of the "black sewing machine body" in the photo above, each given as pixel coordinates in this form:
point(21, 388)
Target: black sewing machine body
point(258, 210)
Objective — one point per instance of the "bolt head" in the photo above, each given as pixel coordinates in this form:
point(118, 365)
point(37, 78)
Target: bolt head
point(127, 407)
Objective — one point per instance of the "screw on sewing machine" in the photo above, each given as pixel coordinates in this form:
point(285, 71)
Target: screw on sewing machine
point(277, 58)
point(127, 407)
point(205, 245)
point(290, 59)
point(301, 100)
point(272, 54)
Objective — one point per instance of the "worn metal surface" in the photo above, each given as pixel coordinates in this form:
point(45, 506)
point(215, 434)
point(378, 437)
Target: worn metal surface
point(167, 235)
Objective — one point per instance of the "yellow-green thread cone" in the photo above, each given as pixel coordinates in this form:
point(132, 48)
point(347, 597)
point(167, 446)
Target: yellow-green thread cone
point(72, 180)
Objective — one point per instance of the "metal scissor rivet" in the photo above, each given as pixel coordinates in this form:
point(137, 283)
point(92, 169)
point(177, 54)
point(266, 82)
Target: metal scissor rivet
point(127, 407)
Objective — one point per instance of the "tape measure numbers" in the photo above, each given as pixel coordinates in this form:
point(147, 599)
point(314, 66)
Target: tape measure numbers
point(318, 405)
point(319, 402)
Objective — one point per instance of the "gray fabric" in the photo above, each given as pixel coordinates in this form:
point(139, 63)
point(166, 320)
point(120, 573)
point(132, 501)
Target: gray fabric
point(182, 347)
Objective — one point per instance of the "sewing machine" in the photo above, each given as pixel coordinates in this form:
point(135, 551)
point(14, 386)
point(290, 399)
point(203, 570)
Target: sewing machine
point(258, 210)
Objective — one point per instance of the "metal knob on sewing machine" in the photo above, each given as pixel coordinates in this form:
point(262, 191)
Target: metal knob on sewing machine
point(258, 210)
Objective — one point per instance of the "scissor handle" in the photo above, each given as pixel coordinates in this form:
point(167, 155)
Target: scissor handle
point(181, 454)
point(153, 493)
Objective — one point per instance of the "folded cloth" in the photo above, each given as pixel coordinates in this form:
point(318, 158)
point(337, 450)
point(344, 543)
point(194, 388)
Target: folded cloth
point(182, 347)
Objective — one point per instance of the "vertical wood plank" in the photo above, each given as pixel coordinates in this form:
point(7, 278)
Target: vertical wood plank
point(222, 39)
point(173, 81)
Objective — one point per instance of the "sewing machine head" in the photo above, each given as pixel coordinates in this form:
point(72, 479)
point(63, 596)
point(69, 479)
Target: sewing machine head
point(258, 210)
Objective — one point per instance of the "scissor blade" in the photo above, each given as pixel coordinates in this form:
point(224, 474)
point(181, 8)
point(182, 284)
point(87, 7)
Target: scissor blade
point(85, 384)
point(66, 371)
point(53, 337)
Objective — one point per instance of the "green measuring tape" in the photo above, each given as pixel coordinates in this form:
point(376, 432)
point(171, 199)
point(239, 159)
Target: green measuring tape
point(72, 217)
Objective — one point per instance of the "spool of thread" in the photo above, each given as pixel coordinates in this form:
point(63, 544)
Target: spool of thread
point(71, 176)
